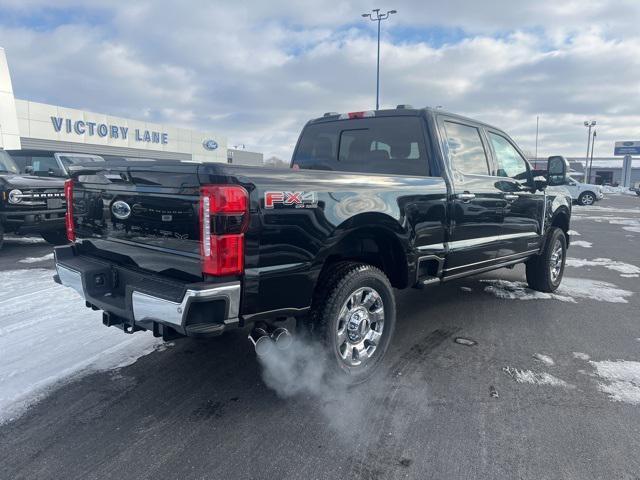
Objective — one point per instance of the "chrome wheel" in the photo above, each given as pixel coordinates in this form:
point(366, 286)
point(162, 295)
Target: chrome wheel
point(555, 261)
point(588, 199)
point(359, 327)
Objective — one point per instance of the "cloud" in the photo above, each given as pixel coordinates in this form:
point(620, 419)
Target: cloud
point(256, 71)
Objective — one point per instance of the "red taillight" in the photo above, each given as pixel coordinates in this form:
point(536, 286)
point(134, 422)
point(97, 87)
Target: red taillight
point(224, 216)
point(351, 115)
point(68, 218)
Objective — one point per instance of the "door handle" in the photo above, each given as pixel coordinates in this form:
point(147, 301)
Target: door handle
point(511, 197)
point(466, 196)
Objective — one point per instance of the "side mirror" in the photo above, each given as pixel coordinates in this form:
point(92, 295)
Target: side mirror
point(557, 168)
point(540, 183)
point(28, 170)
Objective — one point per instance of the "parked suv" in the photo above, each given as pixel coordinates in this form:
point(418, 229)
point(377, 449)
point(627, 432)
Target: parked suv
point(30, 204)
point(373, 200)
point(584, 193)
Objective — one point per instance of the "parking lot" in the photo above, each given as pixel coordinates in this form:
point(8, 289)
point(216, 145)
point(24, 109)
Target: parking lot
point(550, 387)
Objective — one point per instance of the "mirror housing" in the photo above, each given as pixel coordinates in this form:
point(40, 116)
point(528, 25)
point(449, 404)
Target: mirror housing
point(557, 168)
point(540, 183)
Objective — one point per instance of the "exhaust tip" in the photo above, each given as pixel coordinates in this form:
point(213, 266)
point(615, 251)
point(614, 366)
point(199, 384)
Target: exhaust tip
point(282, 338)
point(261, 341)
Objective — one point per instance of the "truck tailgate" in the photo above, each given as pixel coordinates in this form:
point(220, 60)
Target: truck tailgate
point(128, 213)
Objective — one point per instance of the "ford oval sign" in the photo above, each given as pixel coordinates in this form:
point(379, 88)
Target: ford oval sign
point(121, 210)
point(210, 144)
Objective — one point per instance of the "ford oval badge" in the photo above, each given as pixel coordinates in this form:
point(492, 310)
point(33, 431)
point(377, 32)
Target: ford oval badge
point(210, 144)
point(121, 210)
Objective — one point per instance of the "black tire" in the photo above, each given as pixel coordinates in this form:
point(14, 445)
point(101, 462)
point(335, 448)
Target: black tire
point(55, 237)
point(587, 198)
point(541, 274)
point(335, 291)
point(1, 236)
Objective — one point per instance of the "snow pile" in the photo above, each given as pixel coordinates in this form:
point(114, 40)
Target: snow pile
point(48, 335)
point(573, 233)
point(581, 243)
point(534, 378)
point(617, 190)
point(569, 290)
point(621, 267)
point(596, 208)
point(623, 379)
point(44, 258)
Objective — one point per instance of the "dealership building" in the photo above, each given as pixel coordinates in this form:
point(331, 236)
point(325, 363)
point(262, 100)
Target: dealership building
point(31, 129)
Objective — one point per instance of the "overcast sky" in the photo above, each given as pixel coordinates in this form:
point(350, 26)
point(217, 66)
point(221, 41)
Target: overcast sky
point(255, 71)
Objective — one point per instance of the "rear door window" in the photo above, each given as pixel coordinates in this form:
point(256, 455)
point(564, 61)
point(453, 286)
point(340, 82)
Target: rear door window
point(466, 149)
point(391, 145)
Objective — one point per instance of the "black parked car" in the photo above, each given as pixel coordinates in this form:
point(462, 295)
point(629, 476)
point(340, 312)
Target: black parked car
point(30, 204)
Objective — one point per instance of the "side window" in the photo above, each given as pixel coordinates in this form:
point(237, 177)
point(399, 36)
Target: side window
point(46, 166)
point(509, 161)
point(466, 148)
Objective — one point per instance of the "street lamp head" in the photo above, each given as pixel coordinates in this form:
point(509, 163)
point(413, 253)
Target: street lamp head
point(365, 15)
point(586, 124)
point(392, 11)
point(593, 122)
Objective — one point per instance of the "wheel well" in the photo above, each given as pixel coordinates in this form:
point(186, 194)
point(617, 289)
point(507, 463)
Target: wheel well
point(376, 247)
point(561, 220)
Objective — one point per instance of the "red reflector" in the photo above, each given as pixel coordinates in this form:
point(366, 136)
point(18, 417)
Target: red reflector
point(68, 218)
point(222, 254)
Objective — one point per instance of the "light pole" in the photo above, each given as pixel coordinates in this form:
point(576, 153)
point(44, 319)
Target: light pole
point(593, 142)
point(376, 16)
point(590, 124)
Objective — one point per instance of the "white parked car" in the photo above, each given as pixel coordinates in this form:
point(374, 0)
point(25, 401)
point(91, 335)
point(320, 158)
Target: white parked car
point(584, 193)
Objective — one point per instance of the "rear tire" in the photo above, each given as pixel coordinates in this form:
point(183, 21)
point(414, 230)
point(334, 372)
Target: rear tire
point(56, 237)
point(545, 271)
point(353, 316)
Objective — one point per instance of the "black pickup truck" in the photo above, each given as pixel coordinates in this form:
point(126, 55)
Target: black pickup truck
point(373, 201)
point(30, 204)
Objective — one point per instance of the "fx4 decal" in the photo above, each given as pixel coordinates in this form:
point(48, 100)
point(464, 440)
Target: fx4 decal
point(290, 200)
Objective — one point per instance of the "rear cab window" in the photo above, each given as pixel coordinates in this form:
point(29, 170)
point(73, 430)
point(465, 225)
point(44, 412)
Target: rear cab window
point(385, 145)
point(466, 149)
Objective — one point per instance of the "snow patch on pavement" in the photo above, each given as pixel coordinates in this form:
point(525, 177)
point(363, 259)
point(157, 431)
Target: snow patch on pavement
point(47, 335)
point(622, 380)
point(630, 275)
point(535, 378)
point(581, 243)
point(574, 233)
point(632, 229)
point(466, 289)
point(37, 259)
point(596, 208)
point(569, 290)
point(581, 356)
point(13, 239)
point(546, 359)
point(622, 267)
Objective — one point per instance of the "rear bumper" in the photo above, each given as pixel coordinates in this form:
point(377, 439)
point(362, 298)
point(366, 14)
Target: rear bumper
point(134, 301)
point(33, 221)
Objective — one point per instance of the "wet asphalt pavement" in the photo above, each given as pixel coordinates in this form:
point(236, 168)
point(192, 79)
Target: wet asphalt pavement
point(438, 410)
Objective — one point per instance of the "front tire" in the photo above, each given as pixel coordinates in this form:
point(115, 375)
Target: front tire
point(354, 317)
point(587, 198)
point(56, 237)
point(545, 271)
